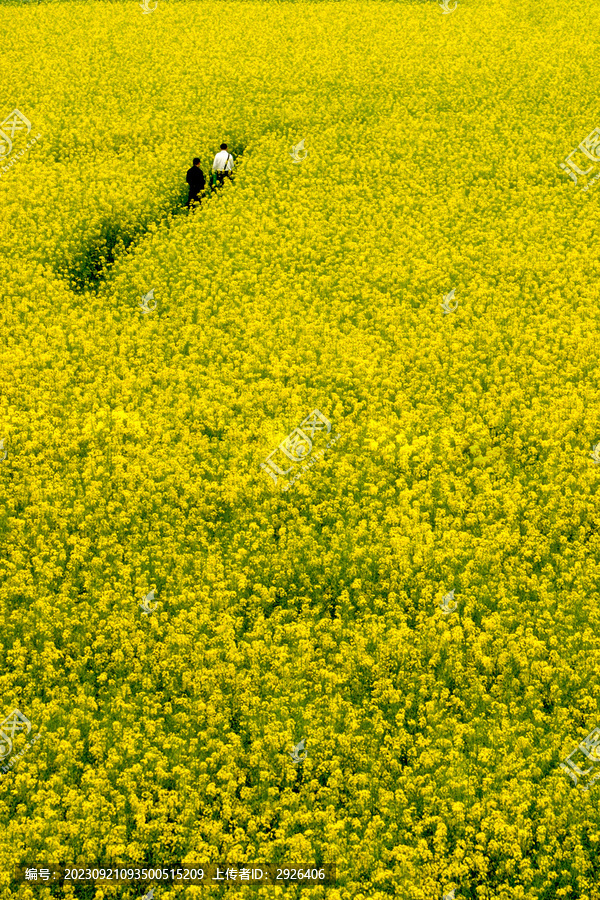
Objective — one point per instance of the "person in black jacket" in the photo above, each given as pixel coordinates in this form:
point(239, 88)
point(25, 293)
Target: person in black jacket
point(196, 181)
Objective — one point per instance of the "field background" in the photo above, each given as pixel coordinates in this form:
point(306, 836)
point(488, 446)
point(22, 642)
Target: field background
point(135, 441)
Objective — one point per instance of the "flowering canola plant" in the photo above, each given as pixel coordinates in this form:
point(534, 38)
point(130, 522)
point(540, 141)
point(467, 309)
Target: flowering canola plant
point(134, 441)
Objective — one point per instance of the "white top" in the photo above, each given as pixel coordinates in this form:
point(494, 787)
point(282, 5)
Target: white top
point(223, 162)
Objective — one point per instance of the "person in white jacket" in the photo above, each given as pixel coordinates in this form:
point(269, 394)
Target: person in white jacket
point(223, 164)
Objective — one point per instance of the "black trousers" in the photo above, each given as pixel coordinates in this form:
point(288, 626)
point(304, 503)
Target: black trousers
point(192, 195)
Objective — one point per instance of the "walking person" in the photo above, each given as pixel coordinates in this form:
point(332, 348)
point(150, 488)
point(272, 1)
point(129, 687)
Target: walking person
point(196, 181)
point(223, 164)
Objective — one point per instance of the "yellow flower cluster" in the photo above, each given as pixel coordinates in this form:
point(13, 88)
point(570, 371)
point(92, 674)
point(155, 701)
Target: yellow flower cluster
point(434, 731)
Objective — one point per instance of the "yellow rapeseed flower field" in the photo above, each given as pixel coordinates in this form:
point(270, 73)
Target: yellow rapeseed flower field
point(299, 548)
